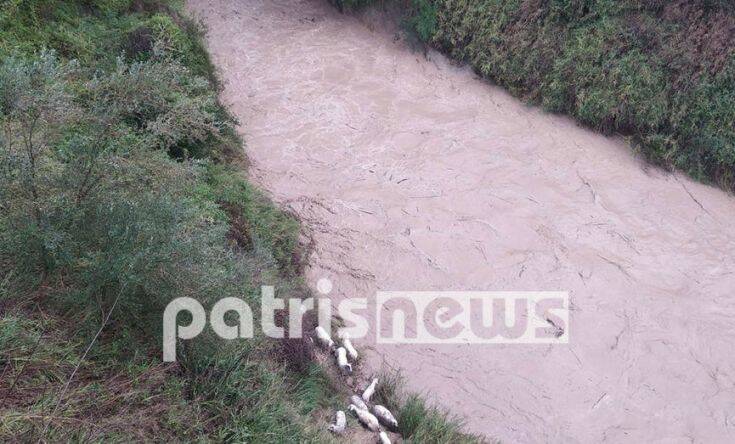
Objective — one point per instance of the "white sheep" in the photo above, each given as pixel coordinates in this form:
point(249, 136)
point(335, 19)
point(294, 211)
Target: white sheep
point(358, 402)
point(340, 422)
point(385, 416)
point(341, 354)
point(347, 344)
point(323, 337)
point(370, 390)
point(366, 418)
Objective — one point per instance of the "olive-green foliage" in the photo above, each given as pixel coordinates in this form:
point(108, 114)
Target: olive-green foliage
point(422, 15)
point(113, 200)
point(351, 4)
point(419, 16)
point(82, 164)
point(88, 193)
point(660, 72)
point(86, 30)
point(272, 231)
point(630, 66)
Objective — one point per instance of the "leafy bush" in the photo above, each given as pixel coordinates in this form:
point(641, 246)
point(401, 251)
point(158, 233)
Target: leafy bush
point(661, 73)
point(85, 191)
point(422, 19)
point(113, 201)
point(98, 214)
point(351, 4)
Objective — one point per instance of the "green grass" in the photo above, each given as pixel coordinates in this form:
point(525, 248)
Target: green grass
point(104, 399)
point(268, 229)
point(126, 196)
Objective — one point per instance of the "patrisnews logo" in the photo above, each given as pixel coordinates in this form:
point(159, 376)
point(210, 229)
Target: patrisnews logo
point(397, 317)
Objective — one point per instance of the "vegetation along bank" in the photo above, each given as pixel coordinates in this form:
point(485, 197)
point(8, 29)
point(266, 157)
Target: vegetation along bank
point(660, 72)
point(122, 188)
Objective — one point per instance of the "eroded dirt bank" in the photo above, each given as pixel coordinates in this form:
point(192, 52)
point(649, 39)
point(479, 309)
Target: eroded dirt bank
point(411, 174)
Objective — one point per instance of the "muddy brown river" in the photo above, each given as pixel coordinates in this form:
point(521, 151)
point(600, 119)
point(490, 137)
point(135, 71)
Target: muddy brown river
point(409, 173)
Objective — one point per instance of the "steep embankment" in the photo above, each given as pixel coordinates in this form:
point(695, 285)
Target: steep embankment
point(411, 173)
point(116, 196)
point(122, 188)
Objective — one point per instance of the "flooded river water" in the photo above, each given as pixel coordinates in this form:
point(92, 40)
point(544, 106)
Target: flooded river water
point(409, 173)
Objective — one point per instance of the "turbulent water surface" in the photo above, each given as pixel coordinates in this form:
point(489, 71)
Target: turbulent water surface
point(411, 174)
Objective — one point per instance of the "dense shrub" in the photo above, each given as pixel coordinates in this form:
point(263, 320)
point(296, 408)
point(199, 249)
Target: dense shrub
point(342, 5)
point(421, 19)
point(114, 201)
point(88, 192)
point(661, 73)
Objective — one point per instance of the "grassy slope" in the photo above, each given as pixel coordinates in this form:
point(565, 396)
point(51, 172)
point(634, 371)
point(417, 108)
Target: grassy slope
point(169, 215)
point(660, 72)
point(50, 309)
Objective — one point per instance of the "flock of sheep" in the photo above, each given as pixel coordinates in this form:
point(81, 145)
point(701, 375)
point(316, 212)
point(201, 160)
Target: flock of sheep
point(372, 417)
